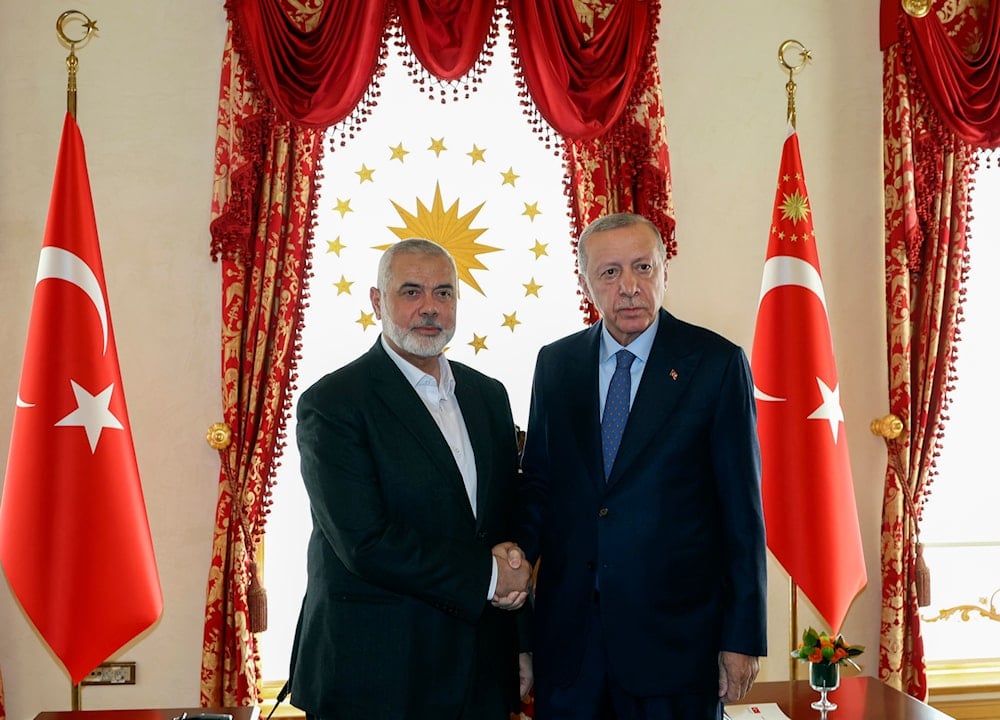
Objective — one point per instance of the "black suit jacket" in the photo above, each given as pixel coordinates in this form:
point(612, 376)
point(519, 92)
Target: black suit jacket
point(676, 534)
point(395, 622)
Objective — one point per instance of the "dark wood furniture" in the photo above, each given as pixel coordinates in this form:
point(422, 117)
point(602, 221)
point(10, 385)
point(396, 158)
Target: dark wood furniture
point(857, 698)
point(238, 713)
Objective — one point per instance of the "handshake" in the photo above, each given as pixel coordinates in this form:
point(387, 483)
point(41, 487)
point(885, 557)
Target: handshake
point(513, 578)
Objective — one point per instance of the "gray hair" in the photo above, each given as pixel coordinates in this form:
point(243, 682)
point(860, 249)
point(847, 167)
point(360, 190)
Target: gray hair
point(410, 246)
point(613, 222)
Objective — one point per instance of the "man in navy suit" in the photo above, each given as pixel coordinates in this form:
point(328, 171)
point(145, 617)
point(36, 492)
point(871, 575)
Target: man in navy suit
point(410, 463)
point(651, 586)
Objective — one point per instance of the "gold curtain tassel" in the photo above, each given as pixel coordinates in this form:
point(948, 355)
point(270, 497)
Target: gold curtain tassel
point(922, 578)
point(256, 603)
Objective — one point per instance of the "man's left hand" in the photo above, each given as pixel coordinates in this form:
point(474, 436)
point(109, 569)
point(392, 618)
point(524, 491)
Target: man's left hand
point(736, 675)
point(526, 673)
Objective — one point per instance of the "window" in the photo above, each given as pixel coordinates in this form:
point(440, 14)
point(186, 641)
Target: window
point(960, 531)
point(471, 174)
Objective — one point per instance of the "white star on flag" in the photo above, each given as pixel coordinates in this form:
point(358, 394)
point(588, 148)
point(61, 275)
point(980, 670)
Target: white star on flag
point(830, 409)
point(92, 413)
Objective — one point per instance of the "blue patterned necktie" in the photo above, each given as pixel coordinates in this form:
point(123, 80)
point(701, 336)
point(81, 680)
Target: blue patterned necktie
point(616, 407)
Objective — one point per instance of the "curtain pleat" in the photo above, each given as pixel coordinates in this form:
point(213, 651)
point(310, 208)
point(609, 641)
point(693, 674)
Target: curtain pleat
point(290, 70)
point(446, 36)
point(581, 76)
point(955, 50)
point(314, 68)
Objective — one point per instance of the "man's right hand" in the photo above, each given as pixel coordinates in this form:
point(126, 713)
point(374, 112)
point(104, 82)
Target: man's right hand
point(513, 578)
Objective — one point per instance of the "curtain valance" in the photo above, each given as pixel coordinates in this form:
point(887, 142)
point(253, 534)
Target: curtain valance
point(955, 53)
point(316, 68)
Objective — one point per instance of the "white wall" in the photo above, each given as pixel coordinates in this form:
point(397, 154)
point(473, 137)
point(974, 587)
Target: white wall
point(148, 90)
point(725, 105)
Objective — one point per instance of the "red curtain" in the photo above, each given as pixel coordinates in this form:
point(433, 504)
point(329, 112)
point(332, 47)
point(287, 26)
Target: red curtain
point(939, 73)
point(291, 69)
point(262, 206)
point(953, 51)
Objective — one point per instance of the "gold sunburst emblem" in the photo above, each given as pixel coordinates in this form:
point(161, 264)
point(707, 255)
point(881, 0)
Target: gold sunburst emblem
point(450, 230)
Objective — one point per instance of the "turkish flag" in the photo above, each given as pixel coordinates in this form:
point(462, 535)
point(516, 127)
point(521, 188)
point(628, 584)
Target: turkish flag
point(809, 508)
point(74, 537)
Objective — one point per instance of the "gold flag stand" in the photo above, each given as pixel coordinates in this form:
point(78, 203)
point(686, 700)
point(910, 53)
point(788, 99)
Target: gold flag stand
point(89, 29)
point(791, 69)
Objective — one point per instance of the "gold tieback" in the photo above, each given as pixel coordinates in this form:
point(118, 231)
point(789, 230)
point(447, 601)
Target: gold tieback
point(916, 8)
point(888, 426)
point(219, 436)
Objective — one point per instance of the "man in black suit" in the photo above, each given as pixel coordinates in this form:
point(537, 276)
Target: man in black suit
point(650, 594)
point(410, 462)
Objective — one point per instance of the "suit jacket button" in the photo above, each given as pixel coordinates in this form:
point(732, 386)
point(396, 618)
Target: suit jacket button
point(603, 512)
point(481, 535)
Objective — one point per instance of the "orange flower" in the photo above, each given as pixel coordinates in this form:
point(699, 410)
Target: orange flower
point(821, 647)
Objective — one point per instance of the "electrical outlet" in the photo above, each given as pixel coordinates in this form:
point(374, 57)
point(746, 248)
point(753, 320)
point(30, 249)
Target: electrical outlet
point(111, 673)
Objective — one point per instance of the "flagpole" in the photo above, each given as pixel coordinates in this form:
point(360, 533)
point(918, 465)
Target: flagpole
point(72, 62)
point(793, 590)
point(72, 65)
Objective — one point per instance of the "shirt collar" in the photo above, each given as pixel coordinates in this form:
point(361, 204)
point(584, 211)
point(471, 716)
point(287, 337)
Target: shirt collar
point(415, 376)
point(640, 347)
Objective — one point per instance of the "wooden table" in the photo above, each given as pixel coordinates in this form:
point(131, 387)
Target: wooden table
point(857, 698)
point(238, 713)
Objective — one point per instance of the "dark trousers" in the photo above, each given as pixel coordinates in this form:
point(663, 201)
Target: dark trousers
point(596, 696)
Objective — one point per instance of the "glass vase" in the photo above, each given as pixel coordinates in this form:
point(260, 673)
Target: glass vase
point(824, 677)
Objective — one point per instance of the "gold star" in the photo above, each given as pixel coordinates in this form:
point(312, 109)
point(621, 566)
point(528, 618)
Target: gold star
point(335, 246)
point(509, 177)
point(343, 207)
point(531, 288)
point(344, 286)
point(531, 209)
point(539, 249)
point(477, 154)
point(437, 146)
point(366, 320)
point(398, 153)
point(510, 320)
point(365, 173)
point(479, 343)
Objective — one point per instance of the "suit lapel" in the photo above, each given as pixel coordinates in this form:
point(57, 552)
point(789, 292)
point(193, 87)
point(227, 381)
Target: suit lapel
point(391, 388)
point(582, 398)
point(668, 372)
point(474, 410)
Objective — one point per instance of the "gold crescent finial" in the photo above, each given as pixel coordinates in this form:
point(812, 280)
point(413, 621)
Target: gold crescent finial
point(89, 27)
point(804, 57)
point(72, 63)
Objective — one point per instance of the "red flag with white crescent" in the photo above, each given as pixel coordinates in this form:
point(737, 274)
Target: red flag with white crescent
point(808, 491)
point(74, 536)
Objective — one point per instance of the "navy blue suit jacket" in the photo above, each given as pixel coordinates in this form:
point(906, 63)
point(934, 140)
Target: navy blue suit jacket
point(675, 535)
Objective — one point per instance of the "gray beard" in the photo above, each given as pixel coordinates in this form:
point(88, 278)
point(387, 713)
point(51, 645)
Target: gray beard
point(413, 343)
